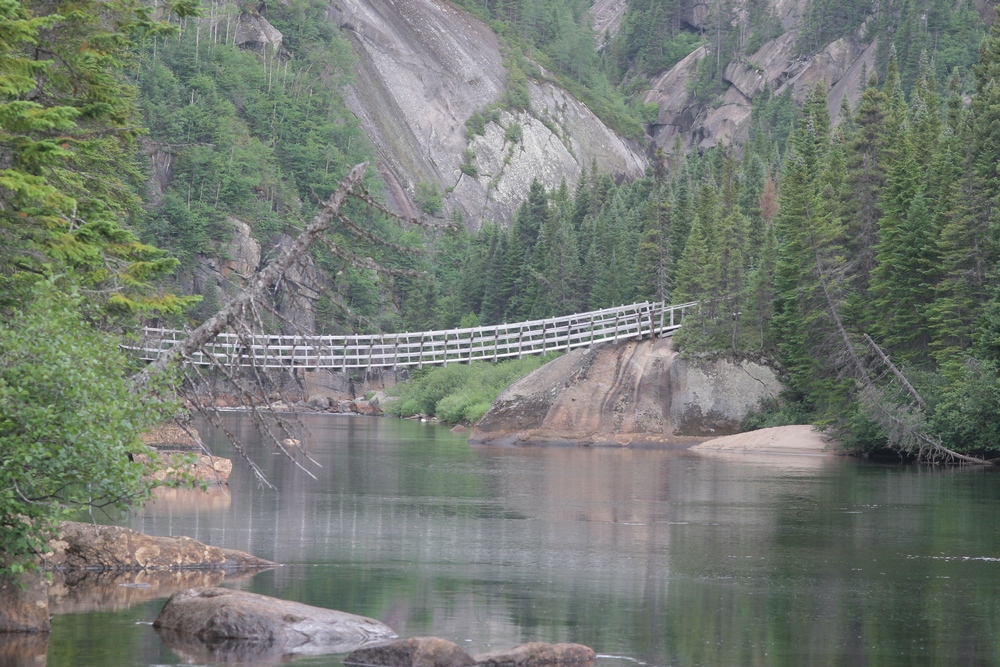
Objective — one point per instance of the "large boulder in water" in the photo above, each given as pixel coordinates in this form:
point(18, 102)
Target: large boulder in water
point(108, 548)
point(412, 652)
point(247, 622)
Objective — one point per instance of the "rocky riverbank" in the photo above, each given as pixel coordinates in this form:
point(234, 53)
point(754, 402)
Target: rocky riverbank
point(87, 548)
point(630, 393)
point(326, 404)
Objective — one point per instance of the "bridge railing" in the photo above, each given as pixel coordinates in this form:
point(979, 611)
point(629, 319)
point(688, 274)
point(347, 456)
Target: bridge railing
point(490, 343)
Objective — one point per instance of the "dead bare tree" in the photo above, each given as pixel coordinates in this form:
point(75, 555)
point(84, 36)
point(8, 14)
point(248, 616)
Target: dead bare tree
point(245, 315)
point(902, 420)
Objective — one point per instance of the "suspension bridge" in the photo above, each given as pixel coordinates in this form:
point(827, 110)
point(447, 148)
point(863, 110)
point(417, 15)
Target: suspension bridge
point(435, 348)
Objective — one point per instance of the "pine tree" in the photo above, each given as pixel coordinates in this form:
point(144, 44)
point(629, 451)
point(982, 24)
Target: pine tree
point(759, 304)
point(654, 260)
point(67, 139)
point(556, 269)
point(753, 183)
point(867, 159)
point(902, 281)
point(811, 285)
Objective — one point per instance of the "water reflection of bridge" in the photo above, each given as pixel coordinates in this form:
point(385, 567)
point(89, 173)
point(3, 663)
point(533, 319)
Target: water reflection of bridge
point(395, 350)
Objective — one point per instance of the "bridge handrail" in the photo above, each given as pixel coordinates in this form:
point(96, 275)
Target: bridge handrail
point(493, 342)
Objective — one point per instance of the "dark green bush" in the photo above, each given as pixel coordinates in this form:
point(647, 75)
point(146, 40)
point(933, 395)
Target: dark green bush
point(460, 393)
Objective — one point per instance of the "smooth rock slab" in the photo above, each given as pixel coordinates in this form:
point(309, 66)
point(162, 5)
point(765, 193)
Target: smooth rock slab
point(412, 652)
point(265, 625)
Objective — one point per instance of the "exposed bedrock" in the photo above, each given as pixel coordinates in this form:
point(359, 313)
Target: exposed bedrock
point(84, 546)
point(425, 67)
point(81, 550)
point(777, 65)
point(631, 393)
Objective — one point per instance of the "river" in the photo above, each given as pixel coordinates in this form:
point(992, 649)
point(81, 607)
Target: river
point(652, 557)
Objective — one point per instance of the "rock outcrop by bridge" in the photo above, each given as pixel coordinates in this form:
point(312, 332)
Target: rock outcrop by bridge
point(635, 393)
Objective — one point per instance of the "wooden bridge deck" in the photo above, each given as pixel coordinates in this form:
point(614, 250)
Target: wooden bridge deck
point(490, 343)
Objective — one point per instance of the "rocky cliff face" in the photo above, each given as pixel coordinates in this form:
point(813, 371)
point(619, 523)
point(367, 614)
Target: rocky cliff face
point(424, 68)
point(775, 65)
point(635, 393)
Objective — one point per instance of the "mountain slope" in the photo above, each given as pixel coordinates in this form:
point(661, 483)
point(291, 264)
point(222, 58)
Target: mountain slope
point(425, 68)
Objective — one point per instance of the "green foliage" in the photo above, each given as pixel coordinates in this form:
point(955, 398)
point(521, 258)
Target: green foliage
point(429, 197)
point(967, 418)
point(261, 138)
point(513, 133)
point(68, 422)
point(460, 393)
point(650, 40)
point(467, 167)
point(784, 410)
point(558, 35)
point(475, 125)
point(67, 149)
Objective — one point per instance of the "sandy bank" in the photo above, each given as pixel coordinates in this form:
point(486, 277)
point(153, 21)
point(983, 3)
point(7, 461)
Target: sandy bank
point(802, 440)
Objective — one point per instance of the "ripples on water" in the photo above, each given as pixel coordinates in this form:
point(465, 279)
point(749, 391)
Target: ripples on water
point(652, 557)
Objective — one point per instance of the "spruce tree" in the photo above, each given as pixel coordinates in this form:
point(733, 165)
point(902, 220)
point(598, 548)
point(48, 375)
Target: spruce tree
point(906, 257)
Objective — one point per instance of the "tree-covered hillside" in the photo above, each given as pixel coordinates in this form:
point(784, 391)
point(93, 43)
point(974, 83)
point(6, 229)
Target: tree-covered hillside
point(262, 135)
point(869, 241)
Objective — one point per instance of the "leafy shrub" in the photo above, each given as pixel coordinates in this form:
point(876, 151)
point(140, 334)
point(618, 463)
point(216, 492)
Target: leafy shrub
point(779, 411)
point(460, 393)
point(966, 418)
point(429, 198)
point(467, 167)
point(475, 125)
point(69, 424)
point(513, 133)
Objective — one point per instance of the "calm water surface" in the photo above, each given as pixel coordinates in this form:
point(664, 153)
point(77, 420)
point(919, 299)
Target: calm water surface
point(652, 557)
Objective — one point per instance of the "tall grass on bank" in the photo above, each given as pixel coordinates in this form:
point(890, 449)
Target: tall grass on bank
point(460, 393)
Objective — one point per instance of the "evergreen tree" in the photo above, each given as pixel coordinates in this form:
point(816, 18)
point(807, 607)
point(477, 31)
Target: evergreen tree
point(868, 157)
point(906, 258)
point(654, 260)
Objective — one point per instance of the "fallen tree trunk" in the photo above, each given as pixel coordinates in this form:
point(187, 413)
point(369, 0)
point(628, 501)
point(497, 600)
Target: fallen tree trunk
point(261, 283)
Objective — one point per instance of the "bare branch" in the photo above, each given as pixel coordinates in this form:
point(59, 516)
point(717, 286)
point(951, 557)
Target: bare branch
point(261, 283)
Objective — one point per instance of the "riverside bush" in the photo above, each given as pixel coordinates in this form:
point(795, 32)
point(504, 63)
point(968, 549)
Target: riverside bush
point(460, 393)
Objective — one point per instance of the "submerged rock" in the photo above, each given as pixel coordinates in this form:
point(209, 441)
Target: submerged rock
point(224, 620)
point(23, 650)
point(182, 465)
point(412, 652)
point(90, 547)
point(436, 652)
point(538, 653)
